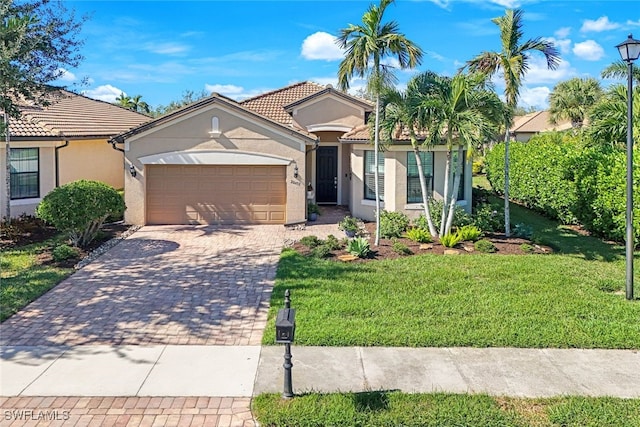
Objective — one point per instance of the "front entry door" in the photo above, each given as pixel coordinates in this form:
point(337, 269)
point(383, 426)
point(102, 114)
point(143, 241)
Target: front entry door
point(327, 175)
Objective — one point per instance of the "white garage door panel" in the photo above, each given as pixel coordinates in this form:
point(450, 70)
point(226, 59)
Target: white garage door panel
point(207, 194)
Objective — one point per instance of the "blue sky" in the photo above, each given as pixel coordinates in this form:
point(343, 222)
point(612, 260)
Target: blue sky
point(159, 49)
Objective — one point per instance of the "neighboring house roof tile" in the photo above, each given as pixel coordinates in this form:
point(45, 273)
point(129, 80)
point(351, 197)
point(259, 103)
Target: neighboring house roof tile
point(73, 115)
point(536, 122)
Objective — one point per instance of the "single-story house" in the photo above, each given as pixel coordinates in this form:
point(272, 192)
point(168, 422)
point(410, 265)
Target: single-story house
point(261, 160)
point(524, 127)
point(60, 143)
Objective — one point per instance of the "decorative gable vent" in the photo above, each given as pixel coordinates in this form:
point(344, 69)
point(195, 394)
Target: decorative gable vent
point(215, 127)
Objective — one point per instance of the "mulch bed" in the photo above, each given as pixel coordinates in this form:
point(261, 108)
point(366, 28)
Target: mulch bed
point(24, 233)
point(504, 245)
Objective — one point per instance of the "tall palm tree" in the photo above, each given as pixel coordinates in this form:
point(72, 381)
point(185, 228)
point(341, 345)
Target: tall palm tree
point(124, 101)
point(461, 109)
point(620, 70)
point(513, 62)
point(572, 99)
point(137, 104)
point(366, 45)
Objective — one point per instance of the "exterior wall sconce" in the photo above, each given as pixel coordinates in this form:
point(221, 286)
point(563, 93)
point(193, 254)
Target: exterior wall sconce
point(132, 171)
point(295, 171)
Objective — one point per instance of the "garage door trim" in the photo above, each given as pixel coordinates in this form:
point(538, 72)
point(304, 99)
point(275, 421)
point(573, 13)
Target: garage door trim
point(214, 157)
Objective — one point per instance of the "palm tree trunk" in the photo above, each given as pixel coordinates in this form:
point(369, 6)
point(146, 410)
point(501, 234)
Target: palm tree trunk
point(447, 170)
point(376, 174)
point(425, 195)
point(8, 166)
point(507, 216)
point(454, 192)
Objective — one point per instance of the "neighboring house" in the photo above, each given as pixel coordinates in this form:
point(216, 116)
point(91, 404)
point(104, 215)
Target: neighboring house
point(222, 161)
point(524, 127)
point(60, 143)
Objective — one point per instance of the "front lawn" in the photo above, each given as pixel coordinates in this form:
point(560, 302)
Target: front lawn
point(572, 298)
point(440, 409)
point(24, 277)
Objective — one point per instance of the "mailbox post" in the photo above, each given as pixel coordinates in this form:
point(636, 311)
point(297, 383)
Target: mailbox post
point(285, 331)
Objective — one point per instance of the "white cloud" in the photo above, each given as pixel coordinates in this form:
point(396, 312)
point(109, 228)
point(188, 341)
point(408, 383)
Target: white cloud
point(106, 93)
point(562, 33)
point(321, 45)
point(599, 25)
point(66, 75)
point(504, 3)
point(633, 23)
point(588, 50)
point(564, 45)
point(166, 48)
point(226, 90)
point(333, 81)
point(537, 97)
point(538, 72)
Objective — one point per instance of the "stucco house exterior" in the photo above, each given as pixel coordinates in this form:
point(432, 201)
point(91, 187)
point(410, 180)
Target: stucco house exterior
point(60, 143)
point(220, 161)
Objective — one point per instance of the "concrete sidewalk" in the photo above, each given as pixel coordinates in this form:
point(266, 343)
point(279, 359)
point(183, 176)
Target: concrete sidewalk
point(244, 371)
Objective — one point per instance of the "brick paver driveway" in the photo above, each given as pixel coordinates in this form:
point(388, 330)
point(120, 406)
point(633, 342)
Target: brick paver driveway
point(163, 285)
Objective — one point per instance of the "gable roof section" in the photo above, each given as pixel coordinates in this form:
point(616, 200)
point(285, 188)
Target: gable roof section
point(535, 122)
point(272, 104)
point(214, 98)
point(72, 115)
point(364, 104)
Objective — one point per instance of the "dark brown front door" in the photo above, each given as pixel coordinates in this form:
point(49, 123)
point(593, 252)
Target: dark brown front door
point(327, 175)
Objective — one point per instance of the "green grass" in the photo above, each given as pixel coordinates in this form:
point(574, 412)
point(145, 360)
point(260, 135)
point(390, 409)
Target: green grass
point(572, 298)
point(23, 279)
point(392, 408)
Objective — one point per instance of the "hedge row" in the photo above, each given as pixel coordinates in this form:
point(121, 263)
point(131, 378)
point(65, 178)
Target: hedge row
point(565, 178)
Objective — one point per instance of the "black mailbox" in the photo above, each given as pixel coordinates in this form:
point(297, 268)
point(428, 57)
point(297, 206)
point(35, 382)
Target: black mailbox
point(285, 325)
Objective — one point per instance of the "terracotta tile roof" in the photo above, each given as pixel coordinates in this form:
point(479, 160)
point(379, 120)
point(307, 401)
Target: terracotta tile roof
point(73, 115)
point(271, 104)
point(537, 122)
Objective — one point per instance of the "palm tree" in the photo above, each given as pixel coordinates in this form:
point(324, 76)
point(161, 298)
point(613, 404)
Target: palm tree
point(366, 46)
point(137, 104)
point(124, 101)
point(608, 118)
point(513, 61)
point(620, 70)
point(461, 109)
point(572, 100)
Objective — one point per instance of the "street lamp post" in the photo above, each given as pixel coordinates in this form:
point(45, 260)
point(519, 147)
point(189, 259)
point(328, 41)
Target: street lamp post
point(629, 52)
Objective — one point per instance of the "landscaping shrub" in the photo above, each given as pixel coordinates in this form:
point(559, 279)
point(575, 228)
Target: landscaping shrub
point(64, 252)
point(393, 224)
point(485, 246)
point(400, 248)
point(527, 248)
point(538, 173)
point(333, 243)
point(460, 216)
point(523, 231)
point(489, 218)
point(321, 251)
point(80, 208)
point(469, 233)
point(310, 241)
point(420, 235)
point(450, 240)
point(359, 247)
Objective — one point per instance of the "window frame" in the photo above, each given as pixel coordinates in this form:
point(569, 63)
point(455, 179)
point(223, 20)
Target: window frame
point(30, 173)
point(370, 155)
point(428, 176)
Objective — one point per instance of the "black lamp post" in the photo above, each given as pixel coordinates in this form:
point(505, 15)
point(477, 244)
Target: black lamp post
point(629, 52)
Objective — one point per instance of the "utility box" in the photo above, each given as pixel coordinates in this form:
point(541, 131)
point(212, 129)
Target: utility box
point(285, 325)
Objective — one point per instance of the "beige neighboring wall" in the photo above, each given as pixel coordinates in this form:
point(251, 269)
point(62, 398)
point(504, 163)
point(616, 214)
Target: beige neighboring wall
point(93, 159)
point(239, 132)
point(46, 166)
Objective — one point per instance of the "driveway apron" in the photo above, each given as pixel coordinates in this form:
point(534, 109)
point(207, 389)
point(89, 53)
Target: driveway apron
point(174, 285)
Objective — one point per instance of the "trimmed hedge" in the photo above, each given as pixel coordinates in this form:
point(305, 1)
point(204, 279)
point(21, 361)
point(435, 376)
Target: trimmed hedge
point(568, 179)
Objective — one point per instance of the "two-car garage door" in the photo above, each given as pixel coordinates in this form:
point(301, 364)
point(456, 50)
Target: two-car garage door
point(215, 194)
